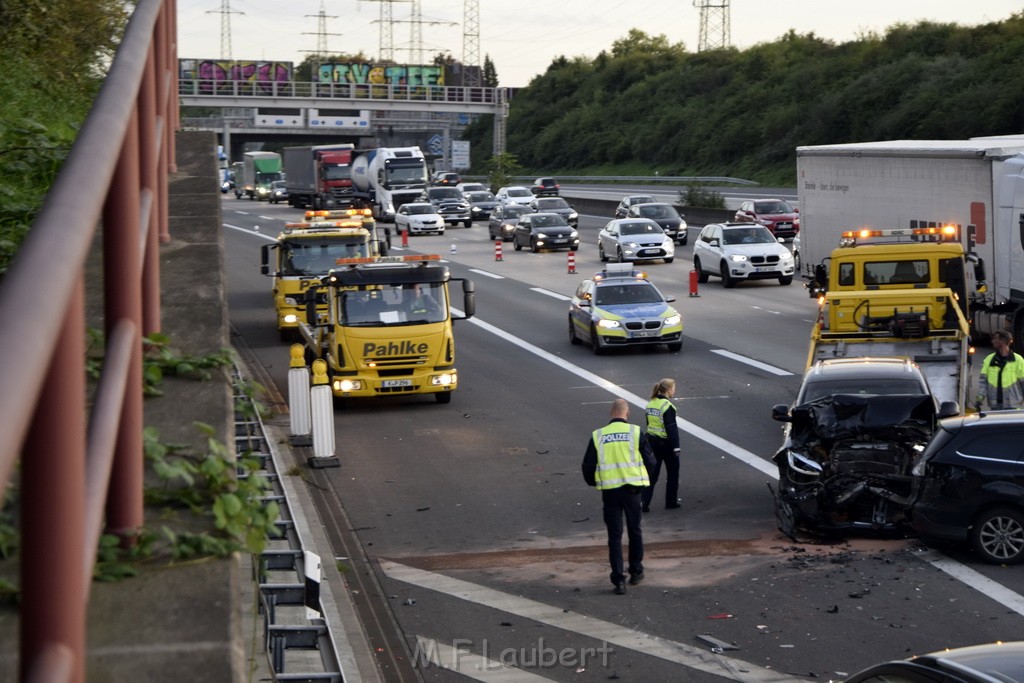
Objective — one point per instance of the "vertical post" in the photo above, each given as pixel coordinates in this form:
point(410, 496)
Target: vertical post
point(321, 403)
point(53, 609)
point(123, 297)
point(572, 262)
point(298, 398)
point(497, 250)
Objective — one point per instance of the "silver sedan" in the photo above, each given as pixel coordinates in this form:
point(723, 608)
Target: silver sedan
point(634, 239)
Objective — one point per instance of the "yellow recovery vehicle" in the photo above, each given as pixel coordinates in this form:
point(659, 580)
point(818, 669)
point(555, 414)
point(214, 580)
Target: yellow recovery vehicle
point(387, 327)
point(305, 252)
point(902, 297)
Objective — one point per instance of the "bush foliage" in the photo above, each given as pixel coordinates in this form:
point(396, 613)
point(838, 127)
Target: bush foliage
point(743, 113)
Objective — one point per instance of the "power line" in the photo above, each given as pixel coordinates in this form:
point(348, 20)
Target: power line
point(714, 24)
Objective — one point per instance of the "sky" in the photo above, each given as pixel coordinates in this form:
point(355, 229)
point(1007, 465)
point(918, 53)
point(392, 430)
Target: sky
point(523, 38)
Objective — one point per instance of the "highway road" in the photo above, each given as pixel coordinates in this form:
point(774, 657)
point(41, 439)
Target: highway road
point(488, 548)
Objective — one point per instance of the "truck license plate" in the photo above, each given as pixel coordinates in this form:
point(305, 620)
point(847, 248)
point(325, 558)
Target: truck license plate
point(388, 383)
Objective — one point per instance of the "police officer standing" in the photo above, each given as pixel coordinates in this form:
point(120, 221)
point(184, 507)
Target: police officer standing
point(1002, 375)
point(664, 440)
point(616, 464)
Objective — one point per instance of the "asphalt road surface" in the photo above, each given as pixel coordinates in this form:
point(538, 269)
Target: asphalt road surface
point(489, 548)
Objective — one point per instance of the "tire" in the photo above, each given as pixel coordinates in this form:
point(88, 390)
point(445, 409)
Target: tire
point(600, 252)
point(796, 261)
point(443, 397)
point(288, 335)
point(573, 339)
point(618, 255)
point(682, 242)
point(675, 347)
point(467, 224)
point(786, 280)
point(702, 277)
point(998, 536)
point(727, 280)
point(533, 246)
point(670, 259)
point(516, 245)
point(595, 342)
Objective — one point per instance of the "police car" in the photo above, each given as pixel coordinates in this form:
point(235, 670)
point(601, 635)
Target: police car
point(620, 307)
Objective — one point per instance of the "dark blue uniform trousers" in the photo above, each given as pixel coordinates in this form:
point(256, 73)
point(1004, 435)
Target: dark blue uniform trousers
point(619, 502)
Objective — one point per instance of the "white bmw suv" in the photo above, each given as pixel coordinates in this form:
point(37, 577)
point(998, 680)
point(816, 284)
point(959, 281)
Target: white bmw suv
point(741, 251)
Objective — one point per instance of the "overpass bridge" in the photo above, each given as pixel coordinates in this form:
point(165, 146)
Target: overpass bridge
point(389, 98)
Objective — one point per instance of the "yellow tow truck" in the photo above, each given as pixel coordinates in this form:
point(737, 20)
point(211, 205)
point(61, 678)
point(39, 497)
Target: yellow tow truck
point(898, 293)
point(387, 327)
point(305, 252)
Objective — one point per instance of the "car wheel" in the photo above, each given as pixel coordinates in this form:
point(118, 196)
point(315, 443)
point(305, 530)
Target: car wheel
point(573, 339)
point(533, 246)
point(467, 224)
point(600, 252)
point(515, 243)
point(443, 397)
point(701, 275)
point(786, 280)
point(670, 259)
point(998, 536)
point(682, 242)
point(796, 261)
point(618, 255)
point(727, 280)
point(595, 342)
point(675, 347)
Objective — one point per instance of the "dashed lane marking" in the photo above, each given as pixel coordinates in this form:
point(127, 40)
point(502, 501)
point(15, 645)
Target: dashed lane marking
point(750, 361)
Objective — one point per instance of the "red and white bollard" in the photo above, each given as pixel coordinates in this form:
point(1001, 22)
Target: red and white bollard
point(497, 251)
point(405, 238)
point(693, 283)
point(572, 262)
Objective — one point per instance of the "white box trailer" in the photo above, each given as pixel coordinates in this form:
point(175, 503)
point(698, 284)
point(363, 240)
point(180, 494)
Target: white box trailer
point(977, 184)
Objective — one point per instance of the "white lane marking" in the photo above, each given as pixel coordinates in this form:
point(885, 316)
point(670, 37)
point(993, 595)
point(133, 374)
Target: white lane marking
point(750, 361)
point(251, 232)
point(979, 582)
point(553, 295)
point(704, 435)
point(485, 273)
point(766, 310)
point(461, 660)
point(270, 218)
point(605, 631)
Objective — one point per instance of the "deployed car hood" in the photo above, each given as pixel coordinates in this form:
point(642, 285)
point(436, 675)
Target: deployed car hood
point(900, 417)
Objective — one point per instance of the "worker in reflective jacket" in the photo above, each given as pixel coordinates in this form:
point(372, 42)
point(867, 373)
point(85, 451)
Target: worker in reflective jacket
point(664, 439)
point(616, 464)
point(1002, 376)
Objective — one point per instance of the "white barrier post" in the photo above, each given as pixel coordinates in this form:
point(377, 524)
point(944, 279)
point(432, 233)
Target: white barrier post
point(321, 402)
point(298, 398)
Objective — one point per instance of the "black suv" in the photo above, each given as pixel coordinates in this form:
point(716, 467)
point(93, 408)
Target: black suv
point(545, 187)
point(969, 485)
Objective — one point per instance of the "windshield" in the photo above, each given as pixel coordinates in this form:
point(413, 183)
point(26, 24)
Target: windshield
point(337, 172)
point(748, 236)
point(519, 192)
point(886, 387)
point(633, 293)
point(659, 211)
point(548, 204)
point(420, 209)
point(309, 257)
point(480, 196)
point(407, 174)
point(640, 229)
point(444, 193)
point(388, 305)
point(552, 221)
point(773, 207)
point(516, 210)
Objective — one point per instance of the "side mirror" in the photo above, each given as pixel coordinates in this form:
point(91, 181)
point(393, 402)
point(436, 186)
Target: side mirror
point(468, 298)
point(583, 303)
point(670, 299)
point(780, 413)
point(948, 409)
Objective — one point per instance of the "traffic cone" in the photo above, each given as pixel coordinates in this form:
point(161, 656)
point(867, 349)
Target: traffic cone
point(572, 262)
point(693, 283)
point(497, 251)
point(405, 238)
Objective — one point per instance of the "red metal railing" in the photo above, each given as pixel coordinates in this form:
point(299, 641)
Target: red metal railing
point(81, 468)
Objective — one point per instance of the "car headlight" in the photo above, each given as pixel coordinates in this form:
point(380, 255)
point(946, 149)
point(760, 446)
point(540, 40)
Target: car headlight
point(573, 216)
point(632, 245)
point(477, 209)
point(444, 379)
point(764, 221)
point(608, 324)
point(802, 464)
point(542, 235)
point(737, 258)
point(289, 301)
point(796, 222)
point(348, 385)
point(673, 320)
point(682, 225)
point(573, 234)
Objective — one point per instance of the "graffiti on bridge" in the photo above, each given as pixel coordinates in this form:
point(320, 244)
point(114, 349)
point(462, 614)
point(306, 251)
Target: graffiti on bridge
point(222, 75)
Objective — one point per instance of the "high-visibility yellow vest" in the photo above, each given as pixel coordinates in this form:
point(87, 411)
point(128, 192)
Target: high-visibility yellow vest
point(656, 409)
point(618, 456)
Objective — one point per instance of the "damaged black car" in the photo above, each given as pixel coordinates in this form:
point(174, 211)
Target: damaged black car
point(846, 461)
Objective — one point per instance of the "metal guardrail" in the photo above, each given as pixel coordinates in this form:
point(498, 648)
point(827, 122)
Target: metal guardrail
point(645, 180)
point(82, 463)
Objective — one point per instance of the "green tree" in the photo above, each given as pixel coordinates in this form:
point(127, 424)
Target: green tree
point(500, 169)
point(490, 73)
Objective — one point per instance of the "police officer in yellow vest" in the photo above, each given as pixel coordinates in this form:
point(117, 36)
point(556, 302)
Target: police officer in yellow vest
point(1002, 375)
point(616, 464)
point(664, 439)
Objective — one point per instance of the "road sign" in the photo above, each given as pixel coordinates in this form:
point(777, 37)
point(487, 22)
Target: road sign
point(436, 144)
point(460, 154)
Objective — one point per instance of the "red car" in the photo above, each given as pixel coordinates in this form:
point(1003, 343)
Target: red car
point(777, 215)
